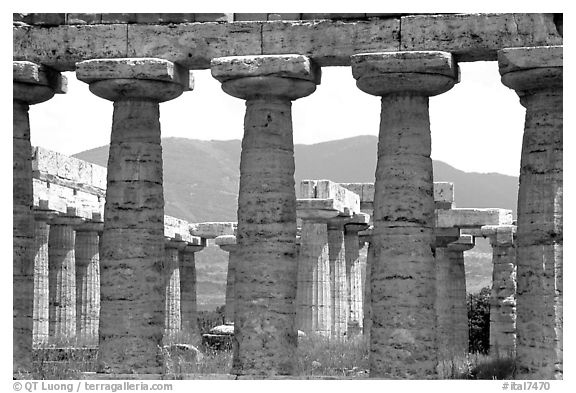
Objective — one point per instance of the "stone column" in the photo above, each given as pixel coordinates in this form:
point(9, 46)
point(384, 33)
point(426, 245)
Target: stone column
point(444, 300)
point(188, 307)
point(265, 335)
point(503, 295)
point(228, 243)
point(132, 281)
point(459, 337)
point(536, 75)
point(313, 258)
point(32, 84)
point(367, 293)
point(172, 313)
point(87, 250)
point(403, 335)
point(41, 297)
point(353, 273)
point(62, 279)
point(338, 293)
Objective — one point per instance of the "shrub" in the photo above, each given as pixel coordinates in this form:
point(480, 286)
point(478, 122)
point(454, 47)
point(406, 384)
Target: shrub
point(479, 321)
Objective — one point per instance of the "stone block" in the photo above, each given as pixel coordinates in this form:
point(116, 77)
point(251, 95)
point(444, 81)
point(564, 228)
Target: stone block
point(28, 72)
point(114, 18)
point(148, 68)
point(281, 17)
point(320, 209)
point(347, 16)
point(159, 18)
point(63, 46)
point(517, 59)
point(250, 17)
point(444, 192)
point(331, 42)
point(312, 16)
point(177, 229)
point(225, 240)
point(212, 230)
point(326, 189)
point(421, 62)
point(471, 37)
point(466, 218)
point(215, 17)
point(289, 66)
point(194, 45)
point(307, 189)
point(499, 234)
point(39, 19)
point(83, 19)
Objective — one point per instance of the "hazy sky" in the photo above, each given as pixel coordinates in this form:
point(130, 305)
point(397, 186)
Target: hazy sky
point(476, 126)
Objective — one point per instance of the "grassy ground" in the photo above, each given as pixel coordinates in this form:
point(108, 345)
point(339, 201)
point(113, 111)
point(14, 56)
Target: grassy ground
point(316, 356)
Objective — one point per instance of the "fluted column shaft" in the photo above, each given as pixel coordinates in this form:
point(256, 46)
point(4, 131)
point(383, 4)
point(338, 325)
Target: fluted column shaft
point(87, 250)
point(62, 281)
point(265, 335)
point(503, 294)
point(458, 344)
point(32, 84)
point(229, 308)
point(172, 313)
point(313, 255)
point(444, 308)
point(537, 76)
point(41, 292)
point(367, 298)
point(188, 303)
point(354, 290)
point(403, 335)
point(338, 293)
point(132, 309)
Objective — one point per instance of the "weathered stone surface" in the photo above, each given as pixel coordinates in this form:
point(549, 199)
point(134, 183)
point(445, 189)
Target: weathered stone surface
point(313, 308)
point(323, 199)
point(61, 47)
point(41, 294)
point(62, 280)
point(215, 17)
point(285, 66)
point(265, 336)
point(520, 59)
point(212, 230)
point(188, 305)
point(41, 19)
point(130, 68)
point(284, 16)
point(472, 37)
point(250, 17)
point(31, 86)
point(503, 294)
point(194, 45)
point(466, 218)
point(34, 74)
point(330, 42)
point(403, 332)
point(228, 244)
point(338, 284)
point(354, 285)
point(424, 73)
point(132, 313)
point(83, 19)
point(539, 320)
point(87, 282)
point(171, 271)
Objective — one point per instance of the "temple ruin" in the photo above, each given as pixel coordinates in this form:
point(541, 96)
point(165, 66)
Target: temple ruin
point(96, 260)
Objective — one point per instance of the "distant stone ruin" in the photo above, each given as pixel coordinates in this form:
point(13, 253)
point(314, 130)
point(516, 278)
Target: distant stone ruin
point(76, 234)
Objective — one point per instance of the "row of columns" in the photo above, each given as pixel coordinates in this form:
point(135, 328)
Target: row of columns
point(403, 332)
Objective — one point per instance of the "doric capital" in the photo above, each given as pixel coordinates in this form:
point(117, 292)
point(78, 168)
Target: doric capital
point(226, 242)
point(249, 77)
point(531, 69)
point(174, 244)
point(445, 236)
point(464, 243)
point(34, 83)
point(425, 73)
point(500, 235)
point(149, 78)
